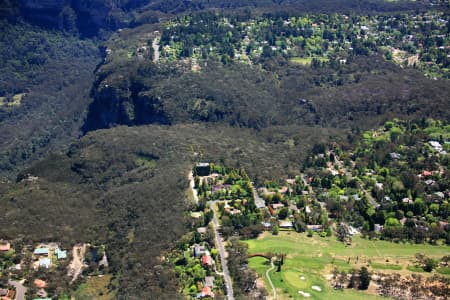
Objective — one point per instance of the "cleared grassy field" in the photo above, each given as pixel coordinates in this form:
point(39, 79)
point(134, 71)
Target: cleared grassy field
point(307, 60)
point(310, 260)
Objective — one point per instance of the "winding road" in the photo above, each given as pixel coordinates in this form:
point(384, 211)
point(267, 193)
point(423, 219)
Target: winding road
point(223, 259)
point(270, 280)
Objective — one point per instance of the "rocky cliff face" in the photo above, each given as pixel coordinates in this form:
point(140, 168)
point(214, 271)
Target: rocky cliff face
point(86, 17)
point(114, 106)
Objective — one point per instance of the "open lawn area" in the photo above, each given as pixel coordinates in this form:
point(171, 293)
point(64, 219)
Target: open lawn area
point(95, 288)
point(310, 260)
point(307, 60)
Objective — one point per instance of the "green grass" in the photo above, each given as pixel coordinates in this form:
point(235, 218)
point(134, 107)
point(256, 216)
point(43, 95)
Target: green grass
point(145, 161)
point(95, 288)
point(443, 271)
point(416, 269)
point(385, 266)
point(435, 132)
point(307, 60)
point(315, 257)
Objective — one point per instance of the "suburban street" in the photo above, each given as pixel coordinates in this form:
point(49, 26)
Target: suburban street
point(20, 289)
point(223, 259)
point(350, 176)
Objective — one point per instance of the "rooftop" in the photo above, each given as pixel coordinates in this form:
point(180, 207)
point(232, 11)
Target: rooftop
point(40, 251)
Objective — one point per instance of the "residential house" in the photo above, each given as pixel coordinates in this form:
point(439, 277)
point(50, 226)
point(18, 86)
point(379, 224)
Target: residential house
point(202, 169)
point(395, 155)
point(307, 210)
point(426, 173)
point(207, 260)
point(206, 292)
point(40, 284)
point(286, 224)
point(290, 181)
point(379, 186)
point(314, 227)
point(277, 205)
point(407, 201)
point(202, 230)
point(378, 227)
point(436, 145)
point(61, 254)
point(293, 207)
point(45, 262)
point(4, 246)
point(200, 250)
point(41, 251)
point(283, 190)
point(267, 225)
point(3, 292)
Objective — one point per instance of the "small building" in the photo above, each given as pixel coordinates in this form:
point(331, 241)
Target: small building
point(436, 145)
point(45, 262)
point(61, 254)
point(207, 260)
point(202, 230)
point(293, 207)
point(314, 227)
point(426, 173)
point(378, 227)
point(395, 155)
point(267, 225)
point(277, 205)
point(430, 182)
point(200, 250)
point(41, 251)
point(4, 246)
point(307, 209)
point(202, 169)
point(206, 292)
point(3, 292)
point(209, 281)
point(283, 190)
point(286, 224)
point(407, 201)
point(196, 214)
point(39, 283)
point(439, 195)
point(290, 181)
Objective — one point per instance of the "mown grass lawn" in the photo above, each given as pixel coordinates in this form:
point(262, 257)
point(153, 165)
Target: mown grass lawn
point(310, 260)
point(307, 60)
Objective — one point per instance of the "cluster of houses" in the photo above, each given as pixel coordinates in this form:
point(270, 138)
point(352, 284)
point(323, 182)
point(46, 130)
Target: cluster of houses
point(6, 293)
point(45, 255)
point(41, 292)
point(207, 261)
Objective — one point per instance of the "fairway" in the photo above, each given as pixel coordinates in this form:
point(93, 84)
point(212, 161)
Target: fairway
point(310, 260)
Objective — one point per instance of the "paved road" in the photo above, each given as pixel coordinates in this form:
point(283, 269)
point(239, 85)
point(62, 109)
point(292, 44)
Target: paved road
point(155, 46)
point(223, 259)
point(259, 202)
point(20, 289)
point(270, 280)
